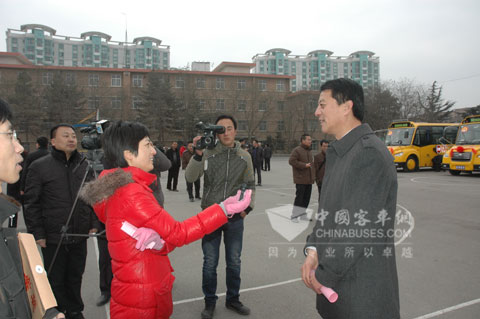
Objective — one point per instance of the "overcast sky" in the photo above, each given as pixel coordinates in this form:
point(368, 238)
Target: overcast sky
point(422, 40)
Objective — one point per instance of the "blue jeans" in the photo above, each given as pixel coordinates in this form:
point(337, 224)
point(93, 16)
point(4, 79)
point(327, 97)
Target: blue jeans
point(232, 237)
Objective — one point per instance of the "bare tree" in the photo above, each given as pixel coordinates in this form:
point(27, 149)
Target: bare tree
point(28, 112)
point(381, 107)
point(407, 93)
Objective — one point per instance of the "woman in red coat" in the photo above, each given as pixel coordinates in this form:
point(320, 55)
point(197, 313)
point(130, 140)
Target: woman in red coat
point(142, 283)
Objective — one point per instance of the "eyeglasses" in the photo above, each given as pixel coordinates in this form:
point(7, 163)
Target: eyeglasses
point(11, 134)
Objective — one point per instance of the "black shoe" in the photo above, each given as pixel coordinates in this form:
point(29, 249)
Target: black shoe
point(103, 299)
point(259, 184)
point(207, 313)
point(75, 315)
point(175, 190)
point(198, 197)
point(191, 199)
point(238, 307)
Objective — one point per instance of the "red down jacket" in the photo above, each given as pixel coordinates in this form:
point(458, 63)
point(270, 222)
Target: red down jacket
point(142, 283)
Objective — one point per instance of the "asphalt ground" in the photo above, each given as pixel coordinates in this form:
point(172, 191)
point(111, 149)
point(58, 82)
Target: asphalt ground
point(438, 263)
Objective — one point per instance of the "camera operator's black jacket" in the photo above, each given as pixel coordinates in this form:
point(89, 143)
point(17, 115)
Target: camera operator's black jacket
point(51, 187)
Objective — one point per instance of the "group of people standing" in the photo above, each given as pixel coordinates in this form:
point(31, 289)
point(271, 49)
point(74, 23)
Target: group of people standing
point(355, 176)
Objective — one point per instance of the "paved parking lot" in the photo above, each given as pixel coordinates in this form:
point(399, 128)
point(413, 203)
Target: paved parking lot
point(438, 263)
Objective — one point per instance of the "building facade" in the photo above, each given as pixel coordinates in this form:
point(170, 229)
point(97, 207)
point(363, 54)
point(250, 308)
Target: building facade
point(42, 46)
point(312, 70)
point(262, 103)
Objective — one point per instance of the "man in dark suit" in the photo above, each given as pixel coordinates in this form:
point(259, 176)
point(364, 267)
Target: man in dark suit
point(173, 155)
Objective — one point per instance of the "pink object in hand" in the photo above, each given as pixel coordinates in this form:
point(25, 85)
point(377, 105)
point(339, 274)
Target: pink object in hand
point(146, 238)
point(234, 205)
point(329, 293)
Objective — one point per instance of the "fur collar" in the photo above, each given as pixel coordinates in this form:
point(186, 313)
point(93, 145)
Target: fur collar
point(101, 189)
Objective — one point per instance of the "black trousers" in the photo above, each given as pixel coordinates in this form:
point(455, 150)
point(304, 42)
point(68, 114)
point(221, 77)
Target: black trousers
point(66, 274)
point(302, 199)
point(319, 186)
point(190, 189)
point(173, 176)
point(267, 164)
point(258, 168)
point(104, 263)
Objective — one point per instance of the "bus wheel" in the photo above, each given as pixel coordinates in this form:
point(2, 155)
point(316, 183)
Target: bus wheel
point(411, 164)
point(454, 173)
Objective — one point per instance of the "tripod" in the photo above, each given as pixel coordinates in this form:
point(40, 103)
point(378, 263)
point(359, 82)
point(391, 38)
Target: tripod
point(93, 159)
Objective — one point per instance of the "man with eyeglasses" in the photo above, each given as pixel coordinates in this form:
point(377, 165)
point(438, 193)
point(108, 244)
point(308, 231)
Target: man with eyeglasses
point(51, 186)
point(13, 300)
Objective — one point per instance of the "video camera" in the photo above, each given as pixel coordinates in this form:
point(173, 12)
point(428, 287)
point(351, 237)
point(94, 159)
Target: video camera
point(208, 139)
point(92, 141)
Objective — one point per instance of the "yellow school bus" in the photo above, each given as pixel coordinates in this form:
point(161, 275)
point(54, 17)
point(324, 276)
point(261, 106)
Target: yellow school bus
point(414, 145)
point(464, 156)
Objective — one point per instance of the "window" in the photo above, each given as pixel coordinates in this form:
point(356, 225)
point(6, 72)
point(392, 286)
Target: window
point(93, 103)
point(280, 85)
point(262, 85)
point(281, 126)
point(241, 84)
point(179, 82)
point(242, 125)
point(280, 106)
point(242, 105)
point(93, 80)
point(312, 105)
point(116, 80)
point(262, 106)
point(312, 125)
point(201, 105)
point(136, 102)
point(116, 102)
point(220, 105)
point(262, 126)
point(138, 80)
point(47, 78)
point(200, 83)
point(70, 78)
point(220, 84)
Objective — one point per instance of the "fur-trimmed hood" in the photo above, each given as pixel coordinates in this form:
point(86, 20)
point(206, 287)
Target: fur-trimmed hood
point(112, 179)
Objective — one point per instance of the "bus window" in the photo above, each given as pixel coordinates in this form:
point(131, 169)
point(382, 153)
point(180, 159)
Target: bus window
point(399, 136)
point(423, 136)
point(437, 134)
point(450, 134)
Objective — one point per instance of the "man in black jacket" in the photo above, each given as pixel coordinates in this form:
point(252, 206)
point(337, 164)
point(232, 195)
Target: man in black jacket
point(257, 160)
point(51, 186)
point(42, 150)
point(174, 156)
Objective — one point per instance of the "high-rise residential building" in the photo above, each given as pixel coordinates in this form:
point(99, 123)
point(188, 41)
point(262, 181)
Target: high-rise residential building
point(319, 66)
point(42, 46)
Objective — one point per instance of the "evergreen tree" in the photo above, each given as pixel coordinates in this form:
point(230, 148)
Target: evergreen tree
point(434, 109)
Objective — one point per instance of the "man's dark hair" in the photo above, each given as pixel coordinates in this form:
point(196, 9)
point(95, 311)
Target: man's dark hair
point(344, 90)
point(255, 140)
point(304, 137)
point(122, 136)
point(5, 112)
point(53, 130)
point(229, 117)
point(323, 141)
point(42, 142)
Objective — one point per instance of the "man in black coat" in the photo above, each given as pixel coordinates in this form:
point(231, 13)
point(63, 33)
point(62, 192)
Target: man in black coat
point(42, 150)
point(267, 154)
point(257, 160)
point(51, 187)
point(173, 155)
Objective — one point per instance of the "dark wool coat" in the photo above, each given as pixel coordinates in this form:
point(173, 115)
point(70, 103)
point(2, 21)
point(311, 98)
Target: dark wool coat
point(355, 259)
point(142, 282)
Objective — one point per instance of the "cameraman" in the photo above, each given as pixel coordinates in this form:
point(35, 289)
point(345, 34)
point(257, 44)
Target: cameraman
point(226, 168)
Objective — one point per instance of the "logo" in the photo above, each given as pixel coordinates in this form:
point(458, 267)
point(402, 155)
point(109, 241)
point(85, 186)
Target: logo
point(281, 221)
